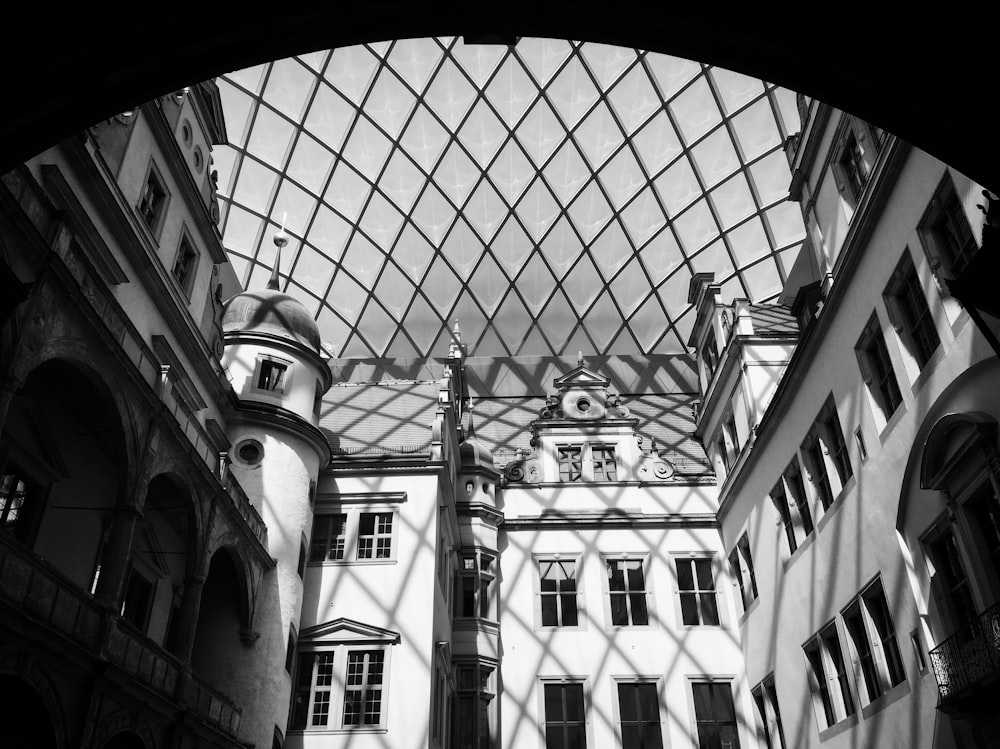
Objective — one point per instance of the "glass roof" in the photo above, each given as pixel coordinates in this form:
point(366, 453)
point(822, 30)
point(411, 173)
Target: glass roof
point(552, 196)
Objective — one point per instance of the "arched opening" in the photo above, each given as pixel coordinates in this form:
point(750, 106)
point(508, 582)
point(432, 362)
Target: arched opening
point(163, 545)
point(125, 740)
point(217, 648)
point(25, 718)
point(63, 464)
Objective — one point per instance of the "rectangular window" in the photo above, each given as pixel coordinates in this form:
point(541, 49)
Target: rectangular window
point(475, 582)
point(475, 693)
point(710, 355)
point(984, 510)
point(363, 689)
point(742, 564)
point(603, 458)
point(820, 476)
point(352, 536)
point(715, 715)
point(627, 591)
point(271, 376)
point(570, 463)
point(946, 232)
point(185, 264)
point(907, 306)
point(874, 641)
point(558, 593)
point(137, 601)
point(696, 587)
point(876, 370)
point(15, 495)
point(949, 581)
point(797, 489)
point(329, 538)
point(814, 656)
point(565, 717)
point(780, 500)
point(375, 535)
point(290, 650)
point(639, 715)
point(152, 201)
point(765, 699)
point(853, 167)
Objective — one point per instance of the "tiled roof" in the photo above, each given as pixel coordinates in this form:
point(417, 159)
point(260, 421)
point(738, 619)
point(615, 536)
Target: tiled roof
point(773, 319)
point(379, 418)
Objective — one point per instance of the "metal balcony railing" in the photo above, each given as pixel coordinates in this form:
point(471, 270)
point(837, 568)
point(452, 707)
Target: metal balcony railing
point(969, 656)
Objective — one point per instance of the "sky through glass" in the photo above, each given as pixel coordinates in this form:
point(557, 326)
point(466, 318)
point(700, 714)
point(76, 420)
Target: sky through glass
point(552, 196)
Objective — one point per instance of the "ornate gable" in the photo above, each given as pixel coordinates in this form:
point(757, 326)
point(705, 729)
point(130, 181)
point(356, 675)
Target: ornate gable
point(348, 630)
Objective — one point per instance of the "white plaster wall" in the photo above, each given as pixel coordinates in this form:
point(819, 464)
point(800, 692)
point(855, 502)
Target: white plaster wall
point(856, 539)
point(397, 595)
point(598, 652)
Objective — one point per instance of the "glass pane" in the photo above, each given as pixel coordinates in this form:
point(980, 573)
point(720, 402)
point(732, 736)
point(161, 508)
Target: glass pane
point(553, 702)
point(569, 610)
point(550, 615)
point(685, 578)
point(709, 608)
point(649, 708)
point(704, 568)
point(639, 613)
point(689, 609)
point(619, 611)
point(574, 701)
point(627, 702)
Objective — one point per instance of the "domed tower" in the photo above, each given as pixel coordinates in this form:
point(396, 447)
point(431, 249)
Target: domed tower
point(272, 356)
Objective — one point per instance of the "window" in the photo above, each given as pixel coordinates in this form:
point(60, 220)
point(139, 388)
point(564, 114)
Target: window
point(984, 511)
point(946, 232)
point(271, 375)
point(853, 168)
point(639, 715)
point(185, 264)
point(475, 694)
point(443, 684)
point(475, 583)
point(826, 455)
point(796, 488)
point(603, 460)
point(570, 463)
point(948, 579)
point(742, 564)
point(138, 600)
point(715, 715)
point(353, 536)
point(907, 306)
point(828, 677)
point(728, 441)
point(325, 680)
point(789, 498)
point(876, 370)
point(873, 638)
point(710, 356)
point(290, 649)
point(565, 716)
point(780, 500)
point(696, 588)
point(152, 201)
point(375, 535)
point(627, 591)
point(765, 699)
point(16, 495)
point(558, 593)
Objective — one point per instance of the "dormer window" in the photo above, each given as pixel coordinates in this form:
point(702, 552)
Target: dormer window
point(605, 467)
point(571, 463)
point(152, 201)
point(588, 462)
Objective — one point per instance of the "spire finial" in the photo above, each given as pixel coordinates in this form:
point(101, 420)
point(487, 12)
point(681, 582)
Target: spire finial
point(457, 332)
point(579, 358)
point(280, 240)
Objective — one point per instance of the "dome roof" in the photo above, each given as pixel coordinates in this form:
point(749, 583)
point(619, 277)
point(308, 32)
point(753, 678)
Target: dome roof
point(272, 312)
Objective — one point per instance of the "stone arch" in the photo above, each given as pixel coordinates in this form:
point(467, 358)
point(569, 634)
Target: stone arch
point(66, 439)
point(223, 618)
point(951, 440)
point(124, 729)
point(173, 494)
point(30, 716)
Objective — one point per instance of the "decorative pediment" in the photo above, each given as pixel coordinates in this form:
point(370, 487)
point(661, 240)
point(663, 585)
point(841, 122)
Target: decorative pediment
point(348, 630)
point(581, 378)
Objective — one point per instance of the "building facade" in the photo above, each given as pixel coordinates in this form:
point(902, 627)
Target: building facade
point(213, 535)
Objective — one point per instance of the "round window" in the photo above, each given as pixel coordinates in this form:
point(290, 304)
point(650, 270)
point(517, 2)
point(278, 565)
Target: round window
point(199, 160)
point(250, 452)
point(583, 405)
point(186, 133)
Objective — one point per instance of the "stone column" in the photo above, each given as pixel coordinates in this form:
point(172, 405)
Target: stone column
point(188, 624)
point(115, 555)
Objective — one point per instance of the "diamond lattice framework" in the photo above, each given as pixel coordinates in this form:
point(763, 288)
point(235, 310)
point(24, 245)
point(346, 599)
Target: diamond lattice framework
point(553, 196)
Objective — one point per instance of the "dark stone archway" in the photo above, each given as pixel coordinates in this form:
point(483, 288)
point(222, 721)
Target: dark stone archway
point(922, 76)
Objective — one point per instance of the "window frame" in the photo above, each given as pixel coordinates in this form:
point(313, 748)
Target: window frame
point(159, 211)
point(699, 593)
point(479, 690)
point(909, 310)
point(731, 685)
point(341, 653)
point(828, 676)
point(647, 591)
point(636, 681)
point(947, 594)
point(544, 682)
point(185, 283)
point(765, 699)
point(741, 563)
point(283, 386)
point(587, 462)
point(482, 578)
point(878, 372)
point(353, 512)
point(576, 561)
point(943, 220)
point(879, 679)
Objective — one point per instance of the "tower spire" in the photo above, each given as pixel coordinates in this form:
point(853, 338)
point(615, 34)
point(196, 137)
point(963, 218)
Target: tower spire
point(280, 240)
